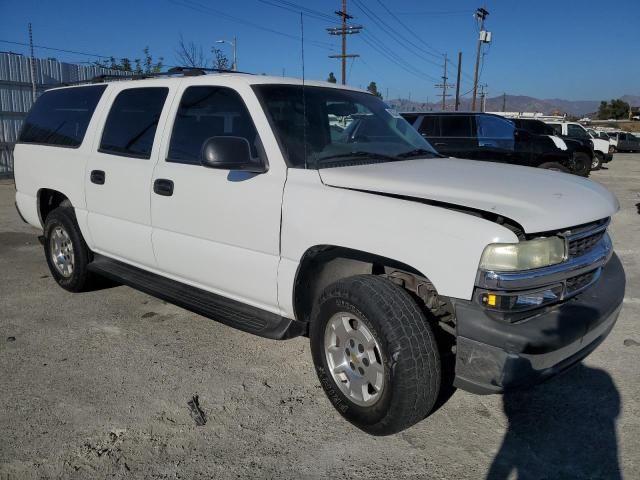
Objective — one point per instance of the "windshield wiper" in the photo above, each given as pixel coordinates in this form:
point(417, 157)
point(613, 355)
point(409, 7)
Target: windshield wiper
point(359, 154)
point(418, 152)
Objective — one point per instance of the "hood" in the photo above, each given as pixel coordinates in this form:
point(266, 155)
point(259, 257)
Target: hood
point(539, 200)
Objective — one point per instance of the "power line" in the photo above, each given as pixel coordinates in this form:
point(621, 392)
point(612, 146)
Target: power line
point(56, 49)
point(295, 8)
point(196, 6)
point(396, 36)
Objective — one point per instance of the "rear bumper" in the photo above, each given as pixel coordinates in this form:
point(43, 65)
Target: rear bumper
point(493, 355)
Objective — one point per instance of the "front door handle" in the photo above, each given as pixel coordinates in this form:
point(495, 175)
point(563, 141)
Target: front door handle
point(163, 187)
point(440, 144)
point(97, 177)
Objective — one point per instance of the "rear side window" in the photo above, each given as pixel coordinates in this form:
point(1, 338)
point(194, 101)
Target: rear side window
point(132, 122)
point(456, 126)
point(430, 126)
point(207, 112)
point(61, 117)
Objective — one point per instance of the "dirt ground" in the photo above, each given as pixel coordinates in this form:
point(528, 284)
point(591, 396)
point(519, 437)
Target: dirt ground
point(96, 385)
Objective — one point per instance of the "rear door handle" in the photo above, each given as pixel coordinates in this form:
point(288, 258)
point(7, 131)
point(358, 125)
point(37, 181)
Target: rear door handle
point(440, 144)
point(97, 177)
point(163, 187)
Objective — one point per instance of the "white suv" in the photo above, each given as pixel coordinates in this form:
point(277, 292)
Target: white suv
point(231, 195)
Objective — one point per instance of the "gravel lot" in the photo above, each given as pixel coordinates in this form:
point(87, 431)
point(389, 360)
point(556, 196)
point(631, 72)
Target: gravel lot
point(96, 385)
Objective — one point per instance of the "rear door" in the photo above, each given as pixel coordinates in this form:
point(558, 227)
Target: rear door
point(119, 170)
point(457, 136)
point(497, 141)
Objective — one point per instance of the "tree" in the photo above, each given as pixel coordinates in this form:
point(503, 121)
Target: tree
point(332, 78)
point(373, 88)
point(147, 65)
point(615, 109)
point(220, 61)
point(190, 55)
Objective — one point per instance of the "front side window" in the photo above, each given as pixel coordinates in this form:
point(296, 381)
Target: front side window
point(207, 112)
point(556, 128)
point(319, 127)
point(577, 131)
point(61, 117)
point(132, 122)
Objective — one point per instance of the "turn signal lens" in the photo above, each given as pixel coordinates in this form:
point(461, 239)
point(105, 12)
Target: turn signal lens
point(521, 301)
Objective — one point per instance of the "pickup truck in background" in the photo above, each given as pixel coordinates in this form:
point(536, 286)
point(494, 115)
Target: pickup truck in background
point(603, 150)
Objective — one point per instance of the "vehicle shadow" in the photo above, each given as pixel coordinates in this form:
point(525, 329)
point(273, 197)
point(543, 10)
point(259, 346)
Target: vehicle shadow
point(638, 207)
point(565, 428)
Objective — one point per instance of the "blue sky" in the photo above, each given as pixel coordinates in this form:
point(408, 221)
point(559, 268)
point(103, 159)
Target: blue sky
point(573, 49)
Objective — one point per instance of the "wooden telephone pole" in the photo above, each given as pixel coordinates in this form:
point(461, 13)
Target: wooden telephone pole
point(481, 14)
point(444, 85)
point(343, 30)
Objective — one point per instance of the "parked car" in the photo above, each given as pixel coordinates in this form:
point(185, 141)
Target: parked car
point(581, 150)
point(484, 136)
point(598, 134)
point(625, 142)
point(603, 150)
point(230, 195)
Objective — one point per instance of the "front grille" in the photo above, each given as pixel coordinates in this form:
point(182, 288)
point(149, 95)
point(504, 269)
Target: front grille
point(580, 246)
point(579, 282)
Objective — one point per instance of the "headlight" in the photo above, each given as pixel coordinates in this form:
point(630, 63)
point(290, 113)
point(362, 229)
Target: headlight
point(527, 255)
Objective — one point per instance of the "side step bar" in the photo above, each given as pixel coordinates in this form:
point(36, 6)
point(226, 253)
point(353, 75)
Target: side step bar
point(216, 307)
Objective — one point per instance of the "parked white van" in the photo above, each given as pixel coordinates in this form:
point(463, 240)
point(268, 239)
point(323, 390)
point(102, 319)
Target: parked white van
point(231, 195)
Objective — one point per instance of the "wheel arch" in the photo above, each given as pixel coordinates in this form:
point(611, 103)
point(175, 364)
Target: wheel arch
point(49, 199)
point(322, 265)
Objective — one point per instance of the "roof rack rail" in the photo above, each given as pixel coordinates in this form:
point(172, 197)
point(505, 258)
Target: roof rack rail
point(184, 71)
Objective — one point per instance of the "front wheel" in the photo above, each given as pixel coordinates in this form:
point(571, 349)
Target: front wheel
point(598, 160)
point(375, 354)
point(582, 164)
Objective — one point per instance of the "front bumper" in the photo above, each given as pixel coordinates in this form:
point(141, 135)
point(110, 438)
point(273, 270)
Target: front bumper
point(493, 355)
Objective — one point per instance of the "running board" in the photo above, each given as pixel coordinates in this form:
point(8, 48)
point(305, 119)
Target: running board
point(216, 307)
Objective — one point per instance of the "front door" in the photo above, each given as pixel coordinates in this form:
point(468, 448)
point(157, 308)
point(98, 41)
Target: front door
point(118, 176)
point(218, 229)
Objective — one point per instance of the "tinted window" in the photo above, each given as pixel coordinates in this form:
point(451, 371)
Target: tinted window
point(132, 122)
point(430, 126)
point(494, 132)
point(207, 112)
point(576, 131)
point(456, 126)
point(556, 128)
point(61, 117)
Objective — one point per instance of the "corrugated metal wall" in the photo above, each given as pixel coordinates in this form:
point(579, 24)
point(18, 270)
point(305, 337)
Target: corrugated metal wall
point(16, 93)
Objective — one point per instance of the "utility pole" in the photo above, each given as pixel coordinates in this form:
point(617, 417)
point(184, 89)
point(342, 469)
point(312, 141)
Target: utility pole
point(480, 14)
point(33, 65)
point(444, 85)
point(343, 30)
point(483, 97)
point(504, 102)
point(457, 107)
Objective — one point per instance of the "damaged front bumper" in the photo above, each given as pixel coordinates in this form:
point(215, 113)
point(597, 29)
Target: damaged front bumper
point(494, 355)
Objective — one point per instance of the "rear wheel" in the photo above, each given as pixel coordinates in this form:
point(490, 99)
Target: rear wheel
point(67, 253)
point(554, 166)
point(598, 160)
point(375, 354)
point(582, 164)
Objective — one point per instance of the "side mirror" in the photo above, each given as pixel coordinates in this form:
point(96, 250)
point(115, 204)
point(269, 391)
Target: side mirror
point(229, 153)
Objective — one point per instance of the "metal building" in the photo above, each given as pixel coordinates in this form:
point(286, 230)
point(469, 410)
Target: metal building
point(16, 93)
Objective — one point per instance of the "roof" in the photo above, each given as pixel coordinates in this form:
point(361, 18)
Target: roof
point(206, 78)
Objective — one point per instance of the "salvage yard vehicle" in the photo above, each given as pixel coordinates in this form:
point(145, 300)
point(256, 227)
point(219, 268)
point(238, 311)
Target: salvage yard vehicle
point(603, 150)
point(230, 195)
point(581, 151)
point(624, 142)
point(488, 137)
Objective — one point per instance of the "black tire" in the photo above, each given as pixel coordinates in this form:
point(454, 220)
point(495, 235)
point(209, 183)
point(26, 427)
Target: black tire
point(598, 160)
point(408, 351)
point(582, 163)
point(554, 166)
point(79, 278)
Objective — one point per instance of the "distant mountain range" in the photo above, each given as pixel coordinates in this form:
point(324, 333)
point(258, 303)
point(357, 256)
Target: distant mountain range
point(517, 103)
